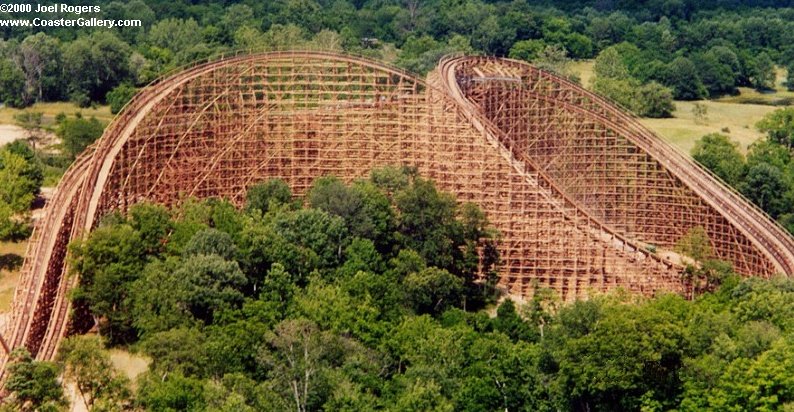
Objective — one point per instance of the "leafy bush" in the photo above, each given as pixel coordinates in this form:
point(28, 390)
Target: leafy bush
point(119, 96)
point(78, 133)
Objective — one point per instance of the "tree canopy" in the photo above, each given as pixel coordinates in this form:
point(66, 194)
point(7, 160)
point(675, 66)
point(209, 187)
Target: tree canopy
point(692, 48)
point(291, 307)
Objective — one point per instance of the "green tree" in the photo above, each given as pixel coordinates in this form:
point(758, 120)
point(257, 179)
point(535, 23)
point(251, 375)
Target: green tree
point(432, 290)
point(420, 54)
point(33, 385)
point(88, 365)
point(12, 85)
point(683, 78)
point(315, 232)
point(769, 151)
point(578, 45)
point(19, 183)
point(211, 242)
point(31, 122)
point(719, 69)
point(175, 35)
point(17, 191)
point(283, 37)
point(263, 196)
point(249, 38)
point(720, 155)
point(654, 100)
point(610, 65)
point(119, 96)
point(527, 50)
point(495, 38)
point(33, 172)
point(95, 64)
point(392, 179)
point(232, 346)
point(695, 244)
point(629, 356)
point(765, 186)
point(427, 223)
point(779, 126)
point(78, 133)
point(764, 75)
point(177, 350)
point(621, 91)
point(700, 112)
point(333, 308)
point(153, 224)
point(361, 255)
point(379, 211)
point(423, 395)
point(173, 392)
point(366, 211)
point(789, 77)
point(764, 383)
point(555, 59)
point(108, 262)
point(39, 58)
point(510, 323)
point(212, 284)
point(158, 299)
point(262, 246)
point(611, 78)
point(296, 356)
point(333, 196)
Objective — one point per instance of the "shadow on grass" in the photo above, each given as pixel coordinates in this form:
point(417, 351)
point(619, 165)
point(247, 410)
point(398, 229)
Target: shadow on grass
point(10, 261)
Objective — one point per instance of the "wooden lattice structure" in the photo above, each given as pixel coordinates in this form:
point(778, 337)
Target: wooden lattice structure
point(577, 189)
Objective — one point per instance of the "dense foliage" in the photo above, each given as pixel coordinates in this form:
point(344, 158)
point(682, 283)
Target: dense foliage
point(365, 299)
point(611, 78)
point(692, 49)
point(77, 133)
point(21, 177)
point(25, 166)
point(766, 174)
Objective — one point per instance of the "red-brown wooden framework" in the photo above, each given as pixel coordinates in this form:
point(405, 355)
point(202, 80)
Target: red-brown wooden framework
point(578, 190)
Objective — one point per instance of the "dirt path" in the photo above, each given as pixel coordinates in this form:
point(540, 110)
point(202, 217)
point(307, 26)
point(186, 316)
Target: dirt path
point(9, 133)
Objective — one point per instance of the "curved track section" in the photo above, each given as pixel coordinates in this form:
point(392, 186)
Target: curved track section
point(614, 168)
point(217, 128)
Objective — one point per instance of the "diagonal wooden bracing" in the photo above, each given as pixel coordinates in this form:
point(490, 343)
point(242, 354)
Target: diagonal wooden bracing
point(575, 187)
point(614, 168)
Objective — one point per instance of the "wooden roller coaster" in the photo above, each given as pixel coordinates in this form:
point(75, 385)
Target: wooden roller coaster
point(580, 192)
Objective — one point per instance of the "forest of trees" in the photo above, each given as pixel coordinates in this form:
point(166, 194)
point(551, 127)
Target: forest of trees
point(365, 299)
point(680, 48)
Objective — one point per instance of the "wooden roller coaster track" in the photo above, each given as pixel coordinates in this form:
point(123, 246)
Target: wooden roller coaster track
point(577, 188)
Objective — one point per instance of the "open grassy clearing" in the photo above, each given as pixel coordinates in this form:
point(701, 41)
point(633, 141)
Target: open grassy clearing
point(51, 109)
point(734, 116)
point(732, 119)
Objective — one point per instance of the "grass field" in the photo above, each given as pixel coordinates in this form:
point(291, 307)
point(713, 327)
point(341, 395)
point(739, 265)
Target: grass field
point(735, 120)
point(50, 110)
point(734, 116)
point(11, 256)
